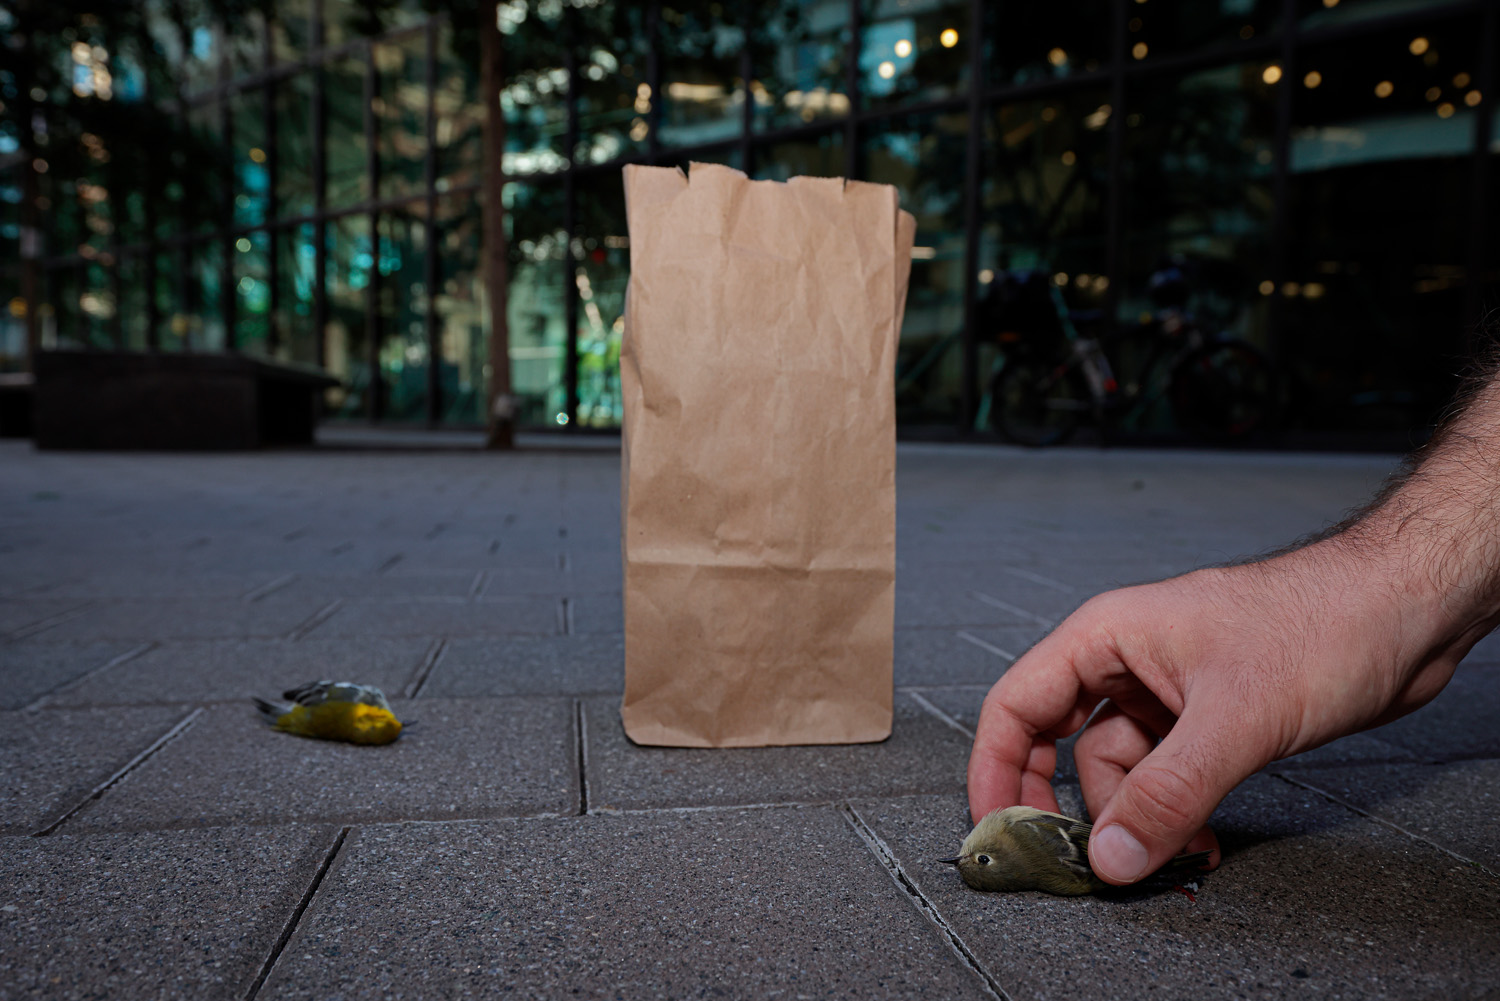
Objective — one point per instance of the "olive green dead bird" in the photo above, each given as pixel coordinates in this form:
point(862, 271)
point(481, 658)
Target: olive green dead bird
point(1021, 848)
point(334, 710)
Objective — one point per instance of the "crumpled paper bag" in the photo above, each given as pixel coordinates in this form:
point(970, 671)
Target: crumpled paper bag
point(758, 494)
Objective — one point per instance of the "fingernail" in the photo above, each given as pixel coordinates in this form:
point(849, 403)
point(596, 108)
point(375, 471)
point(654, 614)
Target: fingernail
point(1118, 855)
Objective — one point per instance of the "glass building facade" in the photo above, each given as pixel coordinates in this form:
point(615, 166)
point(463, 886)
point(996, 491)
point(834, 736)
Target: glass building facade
point(305, 181)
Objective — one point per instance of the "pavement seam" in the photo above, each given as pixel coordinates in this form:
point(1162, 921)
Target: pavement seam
point(42, 625)
point(68, 686)
point(1340, 801)
point(319, 617)
point(392, 561)
point(477, 587)
point(130, 766)
point(934, 710)
point(580, 718)
point(269, 588)
point(983, 645)
point(565, 616)
point(887, 858)
point(1006, 606)
point(430, 660)
point(1037, 578)
point(296, 918)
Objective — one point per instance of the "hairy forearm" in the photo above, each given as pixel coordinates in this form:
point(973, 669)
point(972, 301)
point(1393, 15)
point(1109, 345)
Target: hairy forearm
point(1434, 534)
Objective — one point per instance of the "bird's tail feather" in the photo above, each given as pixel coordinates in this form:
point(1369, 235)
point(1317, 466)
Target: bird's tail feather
point(271, 711)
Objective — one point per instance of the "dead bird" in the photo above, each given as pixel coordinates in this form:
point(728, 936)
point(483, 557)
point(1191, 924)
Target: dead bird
point(1021, 848)
point(334, 710)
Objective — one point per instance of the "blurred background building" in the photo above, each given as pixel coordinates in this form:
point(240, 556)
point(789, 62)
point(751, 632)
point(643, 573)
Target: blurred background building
point(304, 180)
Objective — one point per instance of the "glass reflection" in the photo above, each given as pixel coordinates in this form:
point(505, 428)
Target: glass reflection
point(348, 155)
point(923, 156)
point(1206, 204)
point(1046, 41)
point(600, 275)
point(1157, 29)
point(350, 264)
point(462, 310)
point(294, 142)
point(296, 273)
point(801, 55)
point(404, 356)
point(704, 92)
point(400, 107)
point(252, 175)
point(538, 249)
point(252, 291)
point(1374, 296)
point(614, 99)
point(819, 157)
point(913, 50)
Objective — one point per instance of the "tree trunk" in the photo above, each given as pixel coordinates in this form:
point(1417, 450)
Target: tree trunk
point(502, 405)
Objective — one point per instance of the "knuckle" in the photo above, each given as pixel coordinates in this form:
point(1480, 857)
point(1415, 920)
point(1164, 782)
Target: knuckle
point(1165, 802)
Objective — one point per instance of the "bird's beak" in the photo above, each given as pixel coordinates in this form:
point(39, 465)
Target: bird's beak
point(950, 861)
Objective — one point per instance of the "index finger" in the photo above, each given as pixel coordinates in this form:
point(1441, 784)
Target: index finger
point(1039, 695)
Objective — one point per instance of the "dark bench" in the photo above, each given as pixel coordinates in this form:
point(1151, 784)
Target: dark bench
point(130, 400)
point(16, 390)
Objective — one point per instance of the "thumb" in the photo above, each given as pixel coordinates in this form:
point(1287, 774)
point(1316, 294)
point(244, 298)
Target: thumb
point(1168, 797)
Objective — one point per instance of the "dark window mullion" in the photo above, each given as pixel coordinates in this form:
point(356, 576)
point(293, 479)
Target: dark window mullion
point(973, 206)
point(432, 271)
point(374, 404)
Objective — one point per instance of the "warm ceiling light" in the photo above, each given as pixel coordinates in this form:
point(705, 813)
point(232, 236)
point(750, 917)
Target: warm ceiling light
point(1472, 98)
point(903, 48)
point(1445, 110)
point(1312, 79)
point(1384, 89)
point(1433, 93)
point(1461, 80)
point(1418, 46)
point(886, 70)
point(1057, 57)
point(1271, 73)
point(1138, 50)
point(949, 38)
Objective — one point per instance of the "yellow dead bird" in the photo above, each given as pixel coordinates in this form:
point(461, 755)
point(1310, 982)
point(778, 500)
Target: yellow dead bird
point(334, 710)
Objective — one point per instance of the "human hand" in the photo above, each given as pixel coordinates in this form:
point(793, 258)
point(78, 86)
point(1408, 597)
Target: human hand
point(1208, 677)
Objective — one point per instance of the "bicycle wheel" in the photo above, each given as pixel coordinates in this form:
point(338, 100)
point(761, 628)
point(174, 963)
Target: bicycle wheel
point(1037, 404)
point(1223, 389)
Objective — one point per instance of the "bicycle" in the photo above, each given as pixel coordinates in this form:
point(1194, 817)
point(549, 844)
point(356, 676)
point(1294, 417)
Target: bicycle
point(1216, 387)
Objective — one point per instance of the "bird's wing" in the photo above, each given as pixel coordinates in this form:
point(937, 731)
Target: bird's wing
point(311, 694)
point(1069, 838)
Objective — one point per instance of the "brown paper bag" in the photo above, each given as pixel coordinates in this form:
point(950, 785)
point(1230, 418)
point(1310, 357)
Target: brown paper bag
point(759, 497)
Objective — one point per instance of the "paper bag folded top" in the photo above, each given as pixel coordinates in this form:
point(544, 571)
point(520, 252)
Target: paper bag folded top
point(758, 494)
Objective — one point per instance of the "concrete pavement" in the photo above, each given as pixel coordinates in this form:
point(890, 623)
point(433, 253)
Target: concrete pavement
point(156, 840)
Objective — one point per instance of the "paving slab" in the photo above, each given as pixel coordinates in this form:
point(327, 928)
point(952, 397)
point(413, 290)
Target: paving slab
point(919, 607)
point(20, 617)
point(180, 914)
point(759, 903)
point(525, 614)
point(946, 657)
point(237, 669)
point(55, 758)
point(185, 618)
point(31, 668)
point(321, 588)
point(458, 758)
point(592, 614)
point(529, 665)
point(923, 754)
point(1312, 900)
point(1454, 805)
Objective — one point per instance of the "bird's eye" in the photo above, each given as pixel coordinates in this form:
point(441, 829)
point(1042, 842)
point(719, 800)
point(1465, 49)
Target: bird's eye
point(982, 859)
